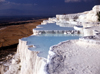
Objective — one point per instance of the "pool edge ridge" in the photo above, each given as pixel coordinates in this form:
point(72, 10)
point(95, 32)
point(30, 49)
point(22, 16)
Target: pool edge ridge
point(26, 61)
point(30, 59)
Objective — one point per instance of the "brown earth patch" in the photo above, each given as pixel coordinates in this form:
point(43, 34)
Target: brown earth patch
point(10, 35)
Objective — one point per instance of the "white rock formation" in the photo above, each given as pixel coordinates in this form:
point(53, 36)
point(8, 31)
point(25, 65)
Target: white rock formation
point(52, 28)
point(50, 20)
point(76, 19)
point(68, 57)
point(68, 18)
point(26, 61)
point(74, 57)
point(91, 16)
point(30, 62)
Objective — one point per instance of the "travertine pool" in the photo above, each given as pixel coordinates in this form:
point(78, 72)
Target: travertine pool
point(43, 42)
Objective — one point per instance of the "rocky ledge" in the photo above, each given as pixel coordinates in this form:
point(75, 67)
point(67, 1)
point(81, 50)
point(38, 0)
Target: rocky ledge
point(68, 57)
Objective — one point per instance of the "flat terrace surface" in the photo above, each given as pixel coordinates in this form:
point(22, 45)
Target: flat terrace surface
point(97, 28)
point(75, 57)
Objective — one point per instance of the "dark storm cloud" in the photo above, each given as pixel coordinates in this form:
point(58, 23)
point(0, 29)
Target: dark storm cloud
point(44, 7)
point(77, 1)
point(10, 5)
point(2, 0)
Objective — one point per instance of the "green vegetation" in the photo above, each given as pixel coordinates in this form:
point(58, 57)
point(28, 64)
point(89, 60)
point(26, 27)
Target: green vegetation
point(98, 14)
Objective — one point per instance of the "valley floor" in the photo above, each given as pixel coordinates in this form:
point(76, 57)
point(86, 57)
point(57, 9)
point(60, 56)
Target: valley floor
point(9, 36)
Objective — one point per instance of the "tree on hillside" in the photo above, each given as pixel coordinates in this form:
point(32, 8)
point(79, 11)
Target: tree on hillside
point(98, 14)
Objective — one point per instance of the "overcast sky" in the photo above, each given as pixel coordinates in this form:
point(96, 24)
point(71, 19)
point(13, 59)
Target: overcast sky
point(44, 7)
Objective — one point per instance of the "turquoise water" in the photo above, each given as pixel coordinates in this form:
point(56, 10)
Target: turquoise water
point(53, 26)
point(43, 42)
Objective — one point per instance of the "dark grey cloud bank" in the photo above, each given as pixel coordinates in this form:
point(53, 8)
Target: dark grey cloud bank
point(2, 0)
point(78, 1)
point(44, 7)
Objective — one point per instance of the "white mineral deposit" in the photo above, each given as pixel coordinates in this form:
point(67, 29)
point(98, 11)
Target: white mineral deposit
point(64, 56)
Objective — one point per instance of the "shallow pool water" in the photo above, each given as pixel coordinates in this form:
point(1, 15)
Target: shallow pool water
point(43, 42)
point(52, 26)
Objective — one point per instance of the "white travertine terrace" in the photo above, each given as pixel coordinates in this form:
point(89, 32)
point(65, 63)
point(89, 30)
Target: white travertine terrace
point(79, 28)
point(74, 57)
point(68, 57)
point(54, 28)
point(91, 16)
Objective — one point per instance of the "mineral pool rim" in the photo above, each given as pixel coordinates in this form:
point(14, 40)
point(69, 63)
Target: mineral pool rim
point(43, 42)
point(53, 35)
point(54, 28)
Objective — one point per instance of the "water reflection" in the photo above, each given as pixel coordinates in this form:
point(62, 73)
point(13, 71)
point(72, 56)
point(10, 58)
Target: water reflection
point(43, 42)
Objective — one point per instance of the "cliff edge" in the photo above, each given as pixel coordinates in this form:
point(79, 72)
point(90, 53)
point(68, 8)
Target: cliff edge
point(68, 57)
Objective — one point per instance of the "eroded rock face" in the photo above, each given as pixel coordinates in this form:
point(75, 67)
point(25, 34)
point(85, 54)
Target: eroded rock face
point(91, 16)
point(24, 62)
point(30, 62)
point(96, 8)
